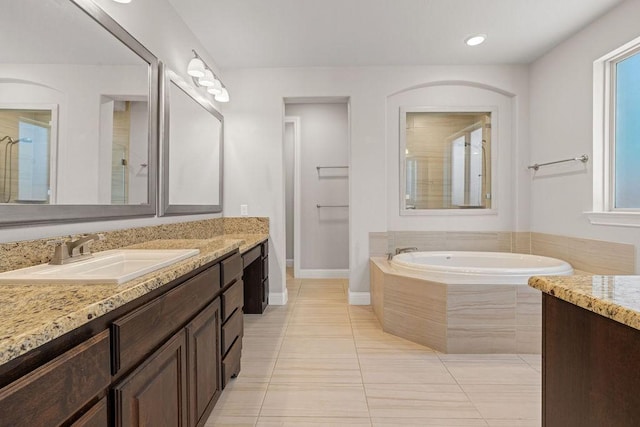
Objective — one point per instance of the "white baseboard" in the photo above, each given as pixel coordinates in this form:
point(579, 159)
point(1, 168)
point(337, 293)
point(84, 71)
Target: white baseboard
point(322, 274)
point(359, 298)
point(289, 263)
point(279, 298)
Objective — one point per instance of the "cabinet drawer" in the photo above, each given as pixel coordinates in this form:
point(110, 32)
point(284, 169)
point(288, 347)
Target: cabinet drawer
point(251, 256)
point(231, 330)
point(265, 267)
point(232, 298)
point(57, 390)
point(231, 269)
point(265, 248)
point(138, 333)
point(97, 416)
point(231, 363)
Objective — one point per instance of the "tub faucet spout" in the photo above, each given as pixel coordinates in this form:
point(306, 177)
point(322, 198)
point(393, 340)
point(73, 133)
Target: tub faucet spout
point(403, 250)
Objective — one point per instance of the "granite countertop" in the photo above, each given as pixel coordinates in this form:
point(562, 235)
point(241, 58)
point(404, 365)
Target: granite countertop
point(34, 314)
point(615, 297)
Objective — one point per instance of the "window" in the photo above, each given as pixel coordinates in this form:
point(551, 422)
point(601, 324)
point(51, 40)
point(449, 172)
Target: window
point(617, 137)
point(626, 128)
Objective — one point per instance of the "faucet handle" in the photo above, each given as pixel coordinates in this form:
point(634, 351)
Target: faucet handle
point(60, 252)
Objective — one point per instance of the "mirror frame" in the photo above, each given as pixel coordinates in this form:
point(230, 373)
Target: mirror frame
point(168, 77)
point(402, 160)
point(16, 215)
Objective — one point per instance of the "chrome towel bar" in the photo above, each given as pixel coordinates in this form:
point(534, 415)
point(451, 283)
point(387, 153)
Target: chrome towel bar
point(331, 167)
point(584, 159)
point(332, 206)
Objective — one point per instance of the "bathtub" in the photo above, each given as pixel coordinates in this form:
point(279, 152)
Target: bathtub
point(462, 302)
point(458, 267)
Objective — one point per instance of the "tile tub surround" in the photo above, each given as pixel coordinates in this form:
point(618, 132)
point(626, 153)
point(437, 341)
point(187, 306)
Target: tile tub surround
point(593, 256)
point(614, 297)
point(454, 318)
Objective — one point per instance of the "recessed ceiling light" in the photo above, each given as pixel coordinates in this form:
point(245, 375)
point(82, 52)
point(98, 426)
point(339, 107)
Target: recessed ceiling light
point(122, 1)
point(475, 39)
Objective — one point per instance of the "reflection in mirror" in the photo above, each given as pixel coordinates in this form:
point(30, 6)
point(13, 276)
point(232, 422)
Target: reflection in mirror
point(83, 92)
point(29, 137)
point(446, 160)
point(192, 151)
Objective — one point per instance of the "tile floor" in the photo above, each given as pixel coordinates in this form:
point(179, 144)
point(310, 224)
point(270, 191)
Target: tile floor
point(321, 362)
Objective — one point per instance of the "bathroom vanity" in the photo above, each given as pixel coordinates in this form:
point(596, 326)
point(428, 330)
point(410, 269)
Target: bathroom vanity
point(590, 350)
point(156, 350)
point(256, 279)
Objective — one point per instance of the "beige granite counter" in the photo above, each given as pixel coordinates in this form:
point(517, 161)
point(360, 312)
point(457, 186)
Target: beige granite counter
point(34, 314)
point(615, 297)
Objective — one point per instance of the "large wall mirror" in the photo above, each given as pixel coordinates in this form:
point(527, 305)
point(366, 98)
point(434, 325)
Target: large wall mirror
point(192, 144)
point(445, 159)
point(78, 115)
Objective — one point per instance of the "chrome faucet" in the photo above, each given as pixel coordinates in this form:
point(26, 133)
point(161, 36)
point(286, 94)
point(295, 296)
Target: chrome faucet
point(400, 251)
point(403, 250)
point(66, 251)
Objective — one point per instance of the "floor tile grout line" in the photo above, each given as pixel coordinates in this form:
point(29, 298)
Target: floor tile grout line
point(286, 326)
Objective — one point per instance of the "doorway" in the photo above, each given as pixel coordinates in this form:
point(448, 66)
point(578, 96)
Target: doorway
point(316, 157)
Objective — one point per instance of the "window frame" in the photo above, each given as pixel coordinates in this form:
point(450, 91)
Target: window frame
point(604, 211)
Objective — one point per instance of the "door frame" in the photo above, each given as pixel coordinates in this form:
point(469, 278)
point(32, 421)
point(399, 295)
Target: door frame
point(295, 121)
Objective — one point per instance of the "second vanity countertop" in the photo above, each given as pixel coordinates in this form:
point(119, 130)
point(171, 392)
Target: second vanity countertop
point(34, 314)
point(614, 297)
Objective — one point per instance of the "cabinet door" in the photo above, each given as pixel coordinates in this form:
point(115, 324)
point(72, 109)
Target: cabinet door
point(155, 394)
point(203, 341)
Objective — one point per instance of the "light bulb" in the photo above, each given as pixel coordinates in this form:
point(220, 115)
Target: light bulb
point(195, 67)
point(215, 88)
point(207, 79)
point(475, 39)
point(223, 96)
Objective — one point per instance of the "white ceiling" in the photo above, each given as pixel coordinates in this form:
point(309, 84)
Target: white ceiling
point(57, 32)
point(303, 33)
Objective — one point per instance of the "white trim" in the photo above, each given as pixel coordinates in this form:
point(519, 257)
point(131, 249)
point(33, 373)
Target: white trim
point(289, 263)
point(295, 121)
point(279, 298)
point(322, 274)
point(603, 212)
point(619, 219)
point(359, 298)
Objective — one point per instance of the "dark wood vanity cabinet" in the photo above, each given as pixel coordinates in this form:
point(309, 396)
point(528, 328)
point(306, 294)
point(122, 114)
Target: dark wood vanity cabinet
point(256, 279)
point(155, 394)
point(590, 368)
point(161, 360)
point(54, 392)
point(232, 319)
point(204, 364)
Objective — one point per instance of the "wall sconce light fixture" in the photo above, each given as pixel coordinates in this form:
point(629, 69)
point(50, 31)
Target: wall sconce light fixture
point(202, 76)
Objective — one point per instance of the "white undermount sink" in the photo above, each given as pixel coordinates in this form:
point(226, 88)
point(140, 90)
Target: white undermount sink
point(115, 267)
